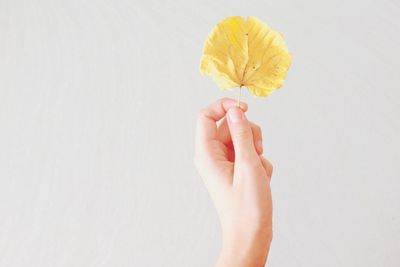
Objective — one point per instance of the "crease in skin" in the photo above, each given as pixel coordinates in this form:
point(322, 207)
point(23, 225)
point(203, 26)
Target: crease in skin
point(241, 52)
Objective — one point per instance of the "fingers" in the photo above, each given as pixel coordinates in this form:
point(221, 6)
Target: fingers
point(257, 137)
point(267, 166)
point(207, 118)
point(225, 136)
point(242, 135)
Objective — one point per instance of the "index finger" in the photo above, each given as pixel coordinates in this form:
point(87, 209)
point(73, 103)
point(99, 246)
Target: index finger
point(208, 117)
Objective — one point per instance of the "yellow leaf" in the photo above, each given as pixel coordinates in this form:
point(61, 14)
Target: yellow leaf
point(240, 52)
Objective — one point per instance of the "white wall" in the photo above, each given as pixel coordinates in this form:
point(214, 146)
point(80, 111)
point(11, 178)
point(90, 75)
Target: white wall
point(98, 101)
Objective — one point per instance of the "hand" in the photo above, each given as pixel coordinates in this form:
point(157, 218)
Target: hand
point(228, 158)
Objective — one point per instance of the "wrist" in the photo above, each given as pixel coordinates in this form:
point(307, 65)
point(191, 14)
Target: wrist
point(250, 249)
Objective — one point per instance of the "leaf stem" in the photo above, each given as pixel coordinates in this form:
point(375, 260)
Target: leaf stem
point(240, 95)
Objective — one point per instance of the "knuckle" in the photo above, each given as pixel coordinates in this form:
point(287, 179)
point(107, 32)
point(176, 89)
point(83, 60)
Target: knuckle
point(271, 169)
point(224, 99)
point(269, 164)
point(255, 128)
point(201, 113)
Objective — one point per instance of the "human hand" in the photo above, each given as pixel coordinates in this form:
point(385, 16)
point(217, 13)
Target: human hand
point(228, 158)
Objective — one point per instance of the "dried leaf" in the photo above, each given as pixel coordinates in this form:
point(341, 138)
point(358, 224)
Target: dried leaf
point(240, 52)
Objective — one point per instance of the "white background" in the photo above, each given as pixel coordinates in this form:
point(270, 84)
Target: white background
point(98, 101)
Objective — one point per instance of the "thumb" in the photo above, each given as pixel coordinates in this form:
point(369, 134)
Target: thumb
point(241, 134)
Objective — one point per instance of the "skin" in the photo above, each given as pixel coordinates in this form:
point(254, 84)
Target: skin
point(228, 156)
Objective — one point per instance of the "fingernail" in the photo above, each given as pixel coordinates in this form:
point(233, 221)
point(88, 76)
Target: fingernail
point(259, 145)
point(235, 114)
